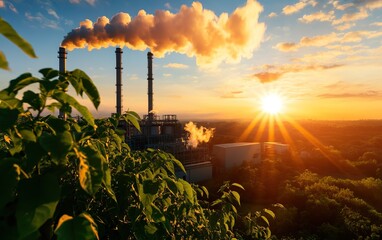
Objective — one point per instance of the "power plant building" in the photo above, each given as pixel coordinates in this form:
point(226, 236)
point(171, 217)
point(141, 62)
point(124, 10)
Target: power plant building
point(230, 155)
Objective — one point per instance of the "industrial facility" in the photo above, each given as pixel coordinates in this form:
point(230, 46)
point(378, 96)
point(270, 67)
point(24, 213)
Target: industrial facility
point(158, 132)
point(167, 133)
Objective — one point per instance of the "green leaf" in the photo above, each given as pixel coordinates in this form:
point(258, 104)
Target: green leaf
point(237, 185)
point(65, 98)
point(80, 227)
point(205, 191)
point(38, 198)
point(91, 170)
point(269, 212)
point(157, 214)
point(34, 153)
point(236, 196)
point(133, 118)
point(33, 99)
point(150, 186)
point(83, 83)
point(9, 177)
point(265, 220)
point(3, 61)
point(150, 229)
point(57, 145)
point(28, 135)
point(49, 73)
point(189, 192)
point(8, 118)
point(179, 165)
point(21, 82)
point(8, 32)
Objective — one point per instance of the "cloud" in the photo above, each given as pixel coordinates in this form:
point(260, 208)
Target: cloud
point(194, 31)
point(176, 65)
point(274, 72)
point(42, 20)
point(272, 15)
point(287, 47)
point(167, 5)
point(344, 26)
point(4, 4)
point(325, 40)
point(379, 24)
point(91, 2)
point(338, 6)
point(352, 17)
point(53, 13)
point(233, 94)
point(290, 9)
point(167, 74)
point(371, 4)
point(366, 94)
point(318, 16)
point(265, 77)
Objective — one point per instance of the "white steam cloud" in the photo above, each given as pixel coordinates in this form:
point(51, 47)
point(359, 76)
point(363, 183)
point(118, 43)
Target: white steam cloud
point(193, 31)
point(197, 134)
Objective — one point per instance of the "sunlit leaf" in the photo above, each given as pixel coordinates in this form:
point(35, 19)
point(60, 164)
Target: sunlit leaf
point(91, 170)
point(49, 73)
point(65, 98)
point(3, 61)
point(188, 190)
point(269, 212)
point(80, 227)
point(7, 31)
point(83, 83)
point(238, 185)
point(21, 82)
point(150, 228)
point(38, 198)
point(236, 196)
point(133, 118)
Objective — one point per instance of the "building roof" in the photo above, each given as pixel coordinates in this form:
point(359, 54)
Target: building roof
point(239, 144)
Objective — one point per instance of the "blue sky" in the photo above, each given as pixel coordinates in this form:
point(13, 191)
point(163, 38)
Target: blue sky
point(323, 57)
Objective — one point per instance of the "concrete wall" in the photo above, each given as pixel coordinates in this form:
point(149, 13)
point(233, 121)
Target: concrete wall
point(197, 172)
point(231, 155)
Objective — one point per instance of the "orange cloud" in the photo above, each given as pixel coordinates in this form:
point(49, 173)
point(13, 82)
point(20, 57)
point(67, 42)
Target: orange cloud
point(318, 16)
point(272, 15)
point(274, 72)
point(176, 65)
point(290, 9)
point(325, 40)
point(193, 31)
point(366, 94)
point(287, 47)
point(352, 17)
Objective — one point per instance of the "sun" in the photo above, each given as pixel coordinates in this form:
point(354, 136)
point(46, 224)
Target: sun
point(271, 103)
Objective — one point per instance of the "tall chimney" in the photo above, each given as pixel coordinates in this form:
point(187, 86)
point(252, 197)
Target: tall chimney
point(62, 68)
point(150, 84)
point(118, 68)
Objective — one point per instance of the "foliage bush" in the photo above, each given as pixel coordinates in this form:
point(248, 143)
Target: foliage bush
point(77, 179)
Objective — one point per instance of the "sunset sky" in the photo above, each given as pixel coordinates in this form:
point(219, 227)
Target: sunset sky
point(212, 59)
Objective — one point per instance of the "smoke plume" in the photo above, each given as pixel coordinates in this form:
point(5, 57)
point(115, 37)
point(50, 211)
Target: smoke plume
point(193, 31)
point(198, 135)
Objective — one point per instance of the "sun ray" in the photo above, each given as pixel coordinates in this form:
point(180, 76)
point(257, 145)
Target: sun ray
point(250, 127)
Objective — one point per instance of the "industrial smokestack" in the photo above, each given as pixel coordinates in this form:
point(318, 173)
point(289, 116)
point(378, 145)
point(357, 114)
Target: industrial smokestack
point(150, 84)
point(62, 68)
point(118, 68)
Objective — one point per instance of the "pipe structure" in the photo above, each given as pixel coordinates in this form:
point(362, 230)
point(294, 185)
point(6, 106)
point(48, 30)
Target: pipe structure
point(62, 69)
point(150, 84)
point(118, 68)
